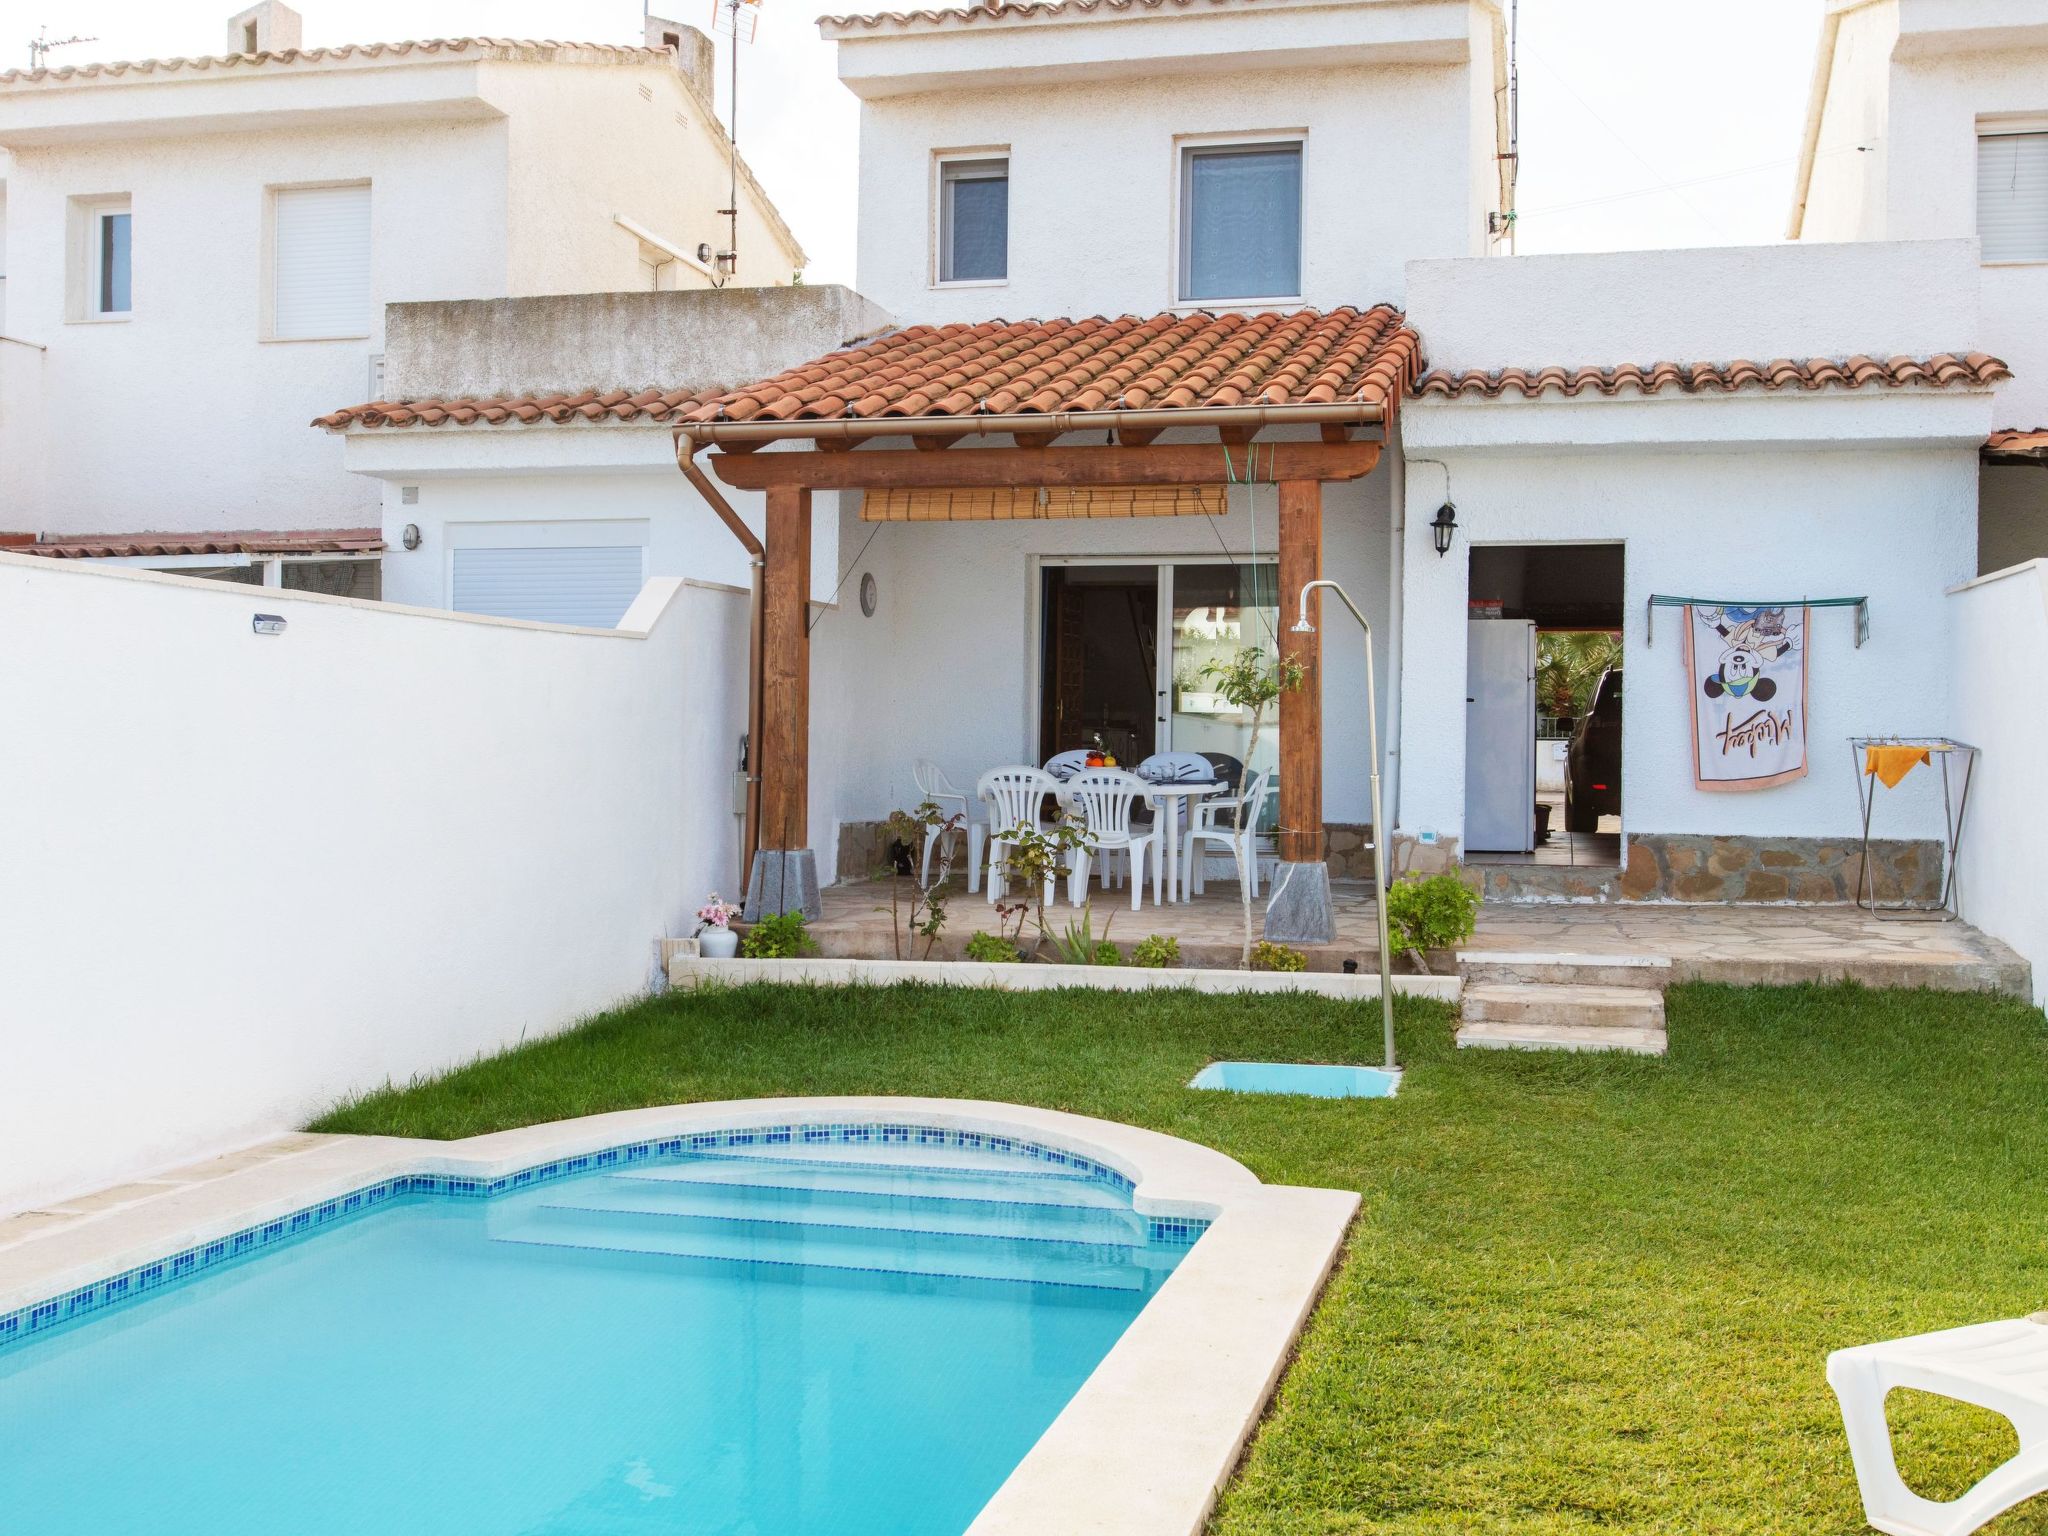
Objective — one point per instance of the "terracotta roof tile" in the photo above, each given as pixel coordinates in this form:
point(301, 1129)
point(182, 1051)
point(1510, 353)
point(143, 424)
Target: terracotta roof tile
point(1943, 370)
point(494, 47)
point(1006, 10)
point(1159, 362)
point(2015, 445)
point(589, 405)
point(959, 372)
point(243, 541)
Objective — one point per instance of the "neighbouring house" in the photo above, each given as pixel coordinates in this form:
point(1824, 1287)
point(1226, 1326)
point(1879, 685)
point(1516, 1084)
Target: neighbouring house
point(226, 232)
point(1929, 120)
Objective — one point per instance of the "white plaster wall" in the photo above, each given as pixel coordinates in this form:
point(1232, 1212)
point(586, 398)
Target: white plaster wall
point(1759, 302)
point(1758, 520)
point(183, 416)
point(268, 871)
point(585, 146)
point(560, 474)
point(2001, 655)
point(1094, 175)
point(946, 667)
point(1846, 192)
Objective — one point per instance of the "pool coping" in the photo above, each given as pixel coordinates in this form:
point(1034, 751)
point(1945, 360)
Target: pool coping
point(1142, 1449)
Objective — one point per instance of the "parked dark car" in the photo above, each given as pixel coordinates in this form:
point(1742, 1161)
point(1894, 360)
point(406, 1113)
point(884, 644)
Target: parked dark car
point(1592, 768)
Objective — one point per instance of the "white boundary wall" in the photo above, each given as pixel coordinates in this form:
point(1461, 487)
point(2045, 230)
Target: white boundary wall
point(242, 875)
point(2000, 626)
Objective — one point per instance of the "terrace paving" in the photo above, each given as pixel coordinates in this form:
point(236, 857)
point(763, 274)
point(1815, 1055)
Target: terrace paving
point(1742, 945)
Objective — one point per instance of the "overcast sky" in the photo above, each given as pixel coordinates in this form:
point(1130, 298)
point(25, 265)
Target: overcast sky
point(1643, 122)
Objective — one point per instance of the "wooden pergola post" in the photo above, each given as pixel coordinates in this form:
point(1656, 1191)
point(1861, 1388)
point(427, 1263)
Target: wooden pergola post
point(784, 877)
point(1301, 710)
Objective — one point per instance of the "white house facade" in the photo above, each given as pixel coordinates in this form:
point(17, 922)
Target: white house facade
point(1929, 120)
point(226, 232)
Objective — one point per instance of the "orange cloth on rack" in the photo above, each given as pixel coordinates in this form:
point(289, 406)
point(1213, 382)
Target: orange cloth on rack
point(1892, 764)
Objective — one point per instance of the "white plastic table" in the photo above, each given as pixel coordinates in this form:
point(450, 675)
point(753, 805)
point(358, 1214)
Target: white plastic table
point(1166, 799)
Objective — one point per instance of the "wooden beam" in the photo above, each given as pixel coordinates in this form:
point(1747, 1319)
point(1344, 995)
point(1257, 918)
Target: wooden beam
point(1154, 464)
point(786, 671)
point(1301, 711)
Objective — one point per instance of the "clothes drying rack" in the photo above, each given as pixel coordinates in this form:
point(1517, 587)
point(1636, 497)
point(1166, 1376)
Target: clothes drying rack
point(1948, 753)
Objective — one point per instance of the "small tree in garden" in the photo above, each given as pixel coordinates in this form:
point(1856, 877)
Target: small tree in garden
point(1036, 859)
point(1248, 681)
point(926, 916)
point(1434, 913)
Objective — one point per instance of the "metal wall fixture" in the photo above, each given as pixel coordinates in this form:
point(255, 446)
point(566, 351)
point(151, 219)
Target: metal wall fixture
point(268, 624)
point(869, 597)
point(410, 538)
point(1442, 527)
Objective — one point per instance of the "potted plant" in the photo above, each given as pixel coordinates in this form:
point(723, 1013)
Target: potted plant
point(715, 938)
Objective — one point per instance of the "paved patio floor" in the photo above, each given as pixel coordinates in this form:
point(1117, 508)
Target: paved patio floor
point(1769, 945)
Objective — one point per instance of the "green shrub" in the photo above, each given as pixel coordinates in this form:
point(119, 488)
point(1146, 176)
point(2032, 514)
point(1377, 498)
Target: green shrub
point(1432, 913)
point(785, 936)
point(1107, 953)
point(1156, 952)
point(1268, 956)
point(992, 950)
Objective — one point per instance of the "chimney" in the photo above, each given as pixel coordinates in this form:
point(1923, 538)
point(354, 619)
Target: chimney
point(271, 27)
point(694, 56)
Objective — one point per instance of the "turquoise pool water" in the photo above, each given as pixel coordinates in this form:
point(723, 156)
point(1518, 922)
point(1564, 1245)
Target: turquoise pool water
point(748, 1345)
point(1290, 1077)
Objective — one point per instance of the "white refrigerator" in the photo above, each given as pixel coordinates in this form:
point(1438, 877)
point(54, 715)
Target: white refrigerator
point(1500, 736)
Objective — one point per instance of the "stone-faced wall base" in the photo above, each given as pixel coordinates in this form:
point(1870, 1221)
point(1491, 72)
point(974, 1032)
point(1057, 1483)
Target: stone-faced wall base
point(1675, 866)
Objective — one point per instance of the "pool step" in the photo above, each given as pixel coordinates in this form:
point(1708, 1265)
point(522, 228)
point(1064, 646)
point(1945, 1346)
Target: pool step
point(719, 1206)
point(883, 1187)
point(1567, 1016)
point(825, 1250)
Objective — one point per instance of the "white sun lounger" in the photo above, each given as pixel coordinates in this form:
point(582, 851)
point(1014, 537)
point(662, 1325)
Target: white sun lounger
point(1999, 1366)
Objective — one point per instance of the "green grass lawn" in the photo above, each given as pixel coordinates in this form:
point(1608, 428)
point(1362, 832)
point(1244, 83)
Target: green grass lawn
point(1583, 1293)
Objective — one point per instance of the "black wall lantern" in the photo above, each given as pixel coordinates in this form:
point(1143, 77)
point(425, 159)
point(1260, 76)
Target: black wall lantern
point(1442, 526)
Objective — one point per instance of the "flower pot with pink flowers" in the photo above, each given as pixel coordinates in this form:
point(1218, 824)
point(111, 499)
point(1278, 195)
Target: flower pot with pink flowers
point(715, 938)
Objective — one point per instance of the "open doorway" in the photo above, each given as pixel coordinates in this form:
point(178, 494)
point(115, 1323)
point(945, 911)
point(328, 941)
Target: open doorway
point(1544, 705)
point(1100, 667)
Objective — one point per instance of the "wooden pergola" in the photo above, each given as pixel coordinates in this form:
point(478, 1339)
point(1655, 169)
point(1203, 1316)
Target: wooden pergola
point(1338, 376)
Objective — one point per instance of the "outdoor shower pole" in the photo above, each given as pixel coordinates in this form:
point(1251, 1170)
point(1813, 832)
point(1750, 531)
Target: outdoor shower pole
point(1379, 826)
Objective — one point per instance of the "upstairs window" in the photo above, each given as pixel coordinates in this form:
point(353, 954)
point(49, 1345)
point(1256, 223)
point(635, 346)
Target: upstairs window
point(320, 262)
point(100, 259)
point(2012, 196)
point(1240, 235)
point(974, 220)
point(113, 236)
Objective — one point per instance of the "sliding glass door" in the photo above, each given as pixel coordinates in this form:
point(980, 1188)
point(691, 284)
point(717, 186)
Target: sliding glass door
point(1123, 645)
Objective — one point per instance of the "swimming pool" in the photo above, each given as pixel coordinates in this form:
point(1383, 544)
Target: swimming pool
point(852, 1328)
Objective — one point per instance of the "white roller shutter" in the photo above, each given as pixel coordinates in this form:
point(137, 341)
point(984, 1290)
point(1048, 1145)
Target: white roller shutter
point(320, 244)
point(591, 585)
point(2012, 196)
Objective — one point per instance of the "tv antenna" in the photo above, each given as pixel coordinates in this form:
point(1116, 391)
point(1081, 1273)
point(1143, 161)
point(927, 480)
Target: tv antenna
point(738, 20)
point(40, 45)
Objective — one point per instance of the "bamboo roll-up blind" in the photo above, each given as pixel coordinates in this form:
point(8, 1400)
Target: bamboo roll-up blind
point(995, 504)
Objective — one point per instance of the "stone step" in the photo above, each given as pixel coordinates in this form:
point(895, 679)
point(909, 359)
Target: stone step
point(1563, 1037)
point(1647, 971)
point(1571, 1007)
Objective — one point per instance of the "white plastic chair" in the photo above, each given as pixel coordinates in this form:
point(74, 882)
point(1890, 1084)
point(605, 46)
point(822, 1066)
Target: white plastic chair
point(1015, 797)
point(1999, 1366)
point(1232, 822)
point(933, 785)
point(1103, 798)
